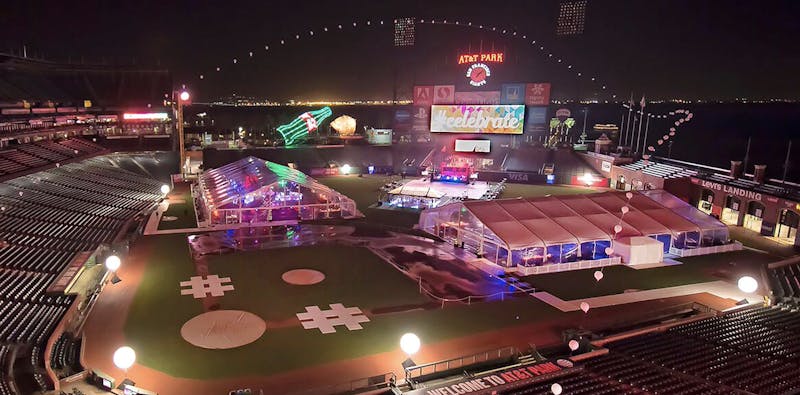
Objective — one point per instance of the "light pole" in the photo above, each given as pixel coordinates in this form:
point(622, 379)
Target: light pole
point(123, 359)
point(410, 345)
point(585, 114)
point(182, 98)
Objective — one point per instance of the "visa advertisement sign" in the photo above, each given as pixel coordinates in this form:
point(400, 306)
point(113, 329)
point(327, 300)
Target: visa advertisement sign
point(485, 119)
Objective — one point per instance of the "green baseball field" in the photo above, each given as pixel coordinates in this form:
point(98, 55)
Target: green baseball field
point(353, 276)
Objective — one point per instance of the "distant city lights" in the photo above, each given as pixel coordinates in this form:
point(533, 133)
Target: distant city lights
point(153, 116)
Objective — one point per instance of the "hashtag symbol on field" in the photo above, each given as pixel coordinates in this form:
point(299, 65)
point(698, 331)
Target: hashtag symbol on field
point(211, 285)
point(326, 320)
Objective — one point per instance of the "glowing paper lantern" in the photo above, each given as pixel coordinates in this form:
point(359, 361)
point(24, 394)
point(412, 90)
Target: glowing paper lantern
point(666, 137)
point(307, 122)
point(645, 157)
point(556, 389)
point(598, 275)
point(671, 129)
point(672, 133)
point(660, 141)
point(573, 344)
point(345, 125)
point(651, 148)
point(585, 307)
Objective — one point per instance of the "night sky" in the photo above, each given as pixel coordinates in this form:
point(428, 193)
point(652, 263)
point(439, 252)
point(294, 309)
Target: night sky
point(665, 48)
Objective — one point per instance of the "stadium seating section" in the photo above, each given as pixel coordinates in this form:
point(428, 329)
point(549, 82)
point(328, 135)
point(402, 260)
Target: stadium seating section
point(24, 157)
point(751, 350)
point(784, 281)
point(47, 218)
point(104, 85)
point(65, 357)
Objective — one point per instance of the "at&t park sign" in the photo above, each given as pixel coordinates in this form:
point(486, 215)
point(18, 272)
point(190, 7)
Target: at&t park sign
point(488, 57)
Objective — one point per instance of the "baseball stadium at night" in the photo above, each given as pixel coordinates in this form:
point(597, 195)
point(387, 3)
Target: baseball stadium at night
point(399, 198)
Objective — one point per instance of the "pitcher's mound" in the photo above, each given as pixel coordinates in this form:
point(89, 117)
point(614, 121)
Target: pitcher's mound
point(223, 329)
point(303, 277)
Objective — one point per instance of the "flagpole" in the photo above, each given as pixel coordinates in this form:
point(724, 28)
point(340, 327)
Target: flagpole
point(630, 110)
point(621, 130)
point(786, 164)
point(641, 120)
point(646, 128)
point(639, 134)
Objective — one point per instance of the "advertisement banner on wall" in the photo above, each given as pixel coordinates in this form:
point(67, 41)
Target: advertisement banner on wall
point(537, 94)
point(422, 118)
point(536, 120)
point(379, 136)
point(473, 146)
point(444, 94)
point(512, 94)
point(488, 97)
point(423, 95)
point(486, 119)
point(402, 120)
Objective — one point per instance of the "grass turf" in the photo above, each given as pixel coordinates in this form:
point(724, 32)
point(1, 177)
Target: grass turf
point(525, 190)
point(580, 284)
point(184, 212)
point(355, 278)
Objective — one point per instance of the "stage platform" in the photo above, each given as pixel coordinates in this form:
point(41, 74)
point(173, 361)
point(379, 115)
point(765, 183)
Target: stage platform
point(474, 190)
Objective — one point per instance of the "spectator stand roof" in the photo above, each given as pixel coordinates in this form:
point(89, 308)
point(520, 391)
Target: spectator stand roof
point(226, 186)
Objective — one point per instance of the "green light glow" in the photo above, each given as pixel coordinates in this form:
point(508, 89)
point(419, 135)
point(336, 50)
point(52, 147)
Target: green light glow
point(297, 130)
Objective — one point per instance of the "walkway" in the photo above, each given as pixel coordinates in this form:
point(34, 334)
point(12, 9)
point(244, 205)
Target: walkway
point(720, 289)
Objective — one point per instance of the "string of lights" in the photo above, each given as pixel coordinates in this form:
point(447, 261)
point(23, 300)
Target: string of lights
point(405, 36)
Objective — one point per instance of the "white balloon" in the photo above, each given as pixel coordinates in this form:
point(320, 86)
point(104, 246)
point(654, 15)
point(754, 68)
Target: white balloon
point(625, 209)
point(556, 389)
point(585, 307)
point(629, 195)
point(598, 275)
point(617, 228)
point(609, 251)
point(573, 344)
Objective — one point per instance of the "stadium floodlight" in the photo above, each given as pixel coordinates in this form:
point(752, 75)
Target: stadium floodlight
point(113, 263)
point(747, 284)
point(124, 357)
point(345, 169)
point(410, 343)
point(184, 96)
point(165, 189)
